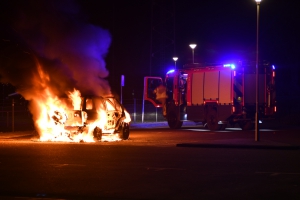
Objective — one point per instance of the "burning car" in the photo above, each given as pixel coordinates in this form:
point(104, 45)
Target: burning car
point(89, 117)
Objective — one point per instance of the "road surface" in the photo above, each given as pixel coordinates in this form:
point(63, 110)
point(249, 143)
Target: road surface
point(152, 165)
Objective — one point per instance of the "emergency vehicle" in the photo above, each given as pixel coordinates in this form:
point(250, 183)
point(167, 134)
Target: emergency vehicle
point(216, 95)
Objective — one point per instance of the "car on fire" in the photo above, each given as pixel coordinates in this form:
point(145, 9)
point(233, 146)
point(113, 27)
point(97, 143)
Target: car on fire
point(99, 115)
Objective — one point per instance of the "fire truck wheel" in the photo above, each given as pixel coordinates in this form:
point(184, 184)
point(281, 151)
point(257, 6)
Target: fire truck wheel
point(212, 123)
point(246, 125)
point(97, 133)
point(212, 126)
point(173, 120)
point(124, 131)
point(222, 127)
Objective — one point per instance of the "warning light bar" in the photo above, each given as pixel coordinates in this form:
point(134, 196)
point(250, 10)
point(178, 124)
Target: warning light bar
point(170, 71)
point(232, 66)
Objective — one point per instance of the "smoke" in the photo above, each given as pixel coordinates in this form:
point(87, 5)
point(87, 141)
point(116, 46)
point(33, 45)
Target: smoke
point(62, 51)
point(49, 51)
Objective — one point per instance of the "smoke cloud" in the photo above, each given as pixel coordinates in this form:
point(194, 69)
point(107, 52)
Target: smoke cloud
point(62, 51)
point(49, 50)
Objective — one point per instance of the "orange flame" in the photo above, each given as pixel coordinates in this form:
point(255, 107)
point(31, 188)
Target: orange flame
point(63, 119)
point(57, 115)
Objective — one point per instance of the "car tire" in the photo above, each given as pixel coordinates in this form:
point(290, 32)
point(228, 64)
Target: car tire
point(97, 133)
point(124, 131)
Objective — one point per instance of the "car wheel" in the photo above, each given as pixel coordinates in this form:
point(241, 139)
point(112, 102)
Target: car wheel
point(124, 131)
point(97, 133)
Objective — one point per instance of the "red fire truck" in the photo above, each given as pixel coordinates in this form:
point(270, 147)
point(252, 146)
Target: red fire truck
point(216, 95)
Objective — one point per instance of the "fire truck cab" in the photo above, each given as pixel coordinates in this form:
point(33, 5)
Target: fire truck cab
point(216, 95)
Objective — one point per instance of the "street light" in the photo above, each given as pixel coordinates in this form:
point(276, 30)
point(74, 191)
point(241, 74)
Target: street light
point(193, 46)
point(256, 75)
point(175, 59)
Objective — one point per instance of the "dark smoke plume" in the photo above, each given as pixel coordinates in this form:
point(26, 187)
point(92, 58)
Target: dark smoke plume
point(55, 49)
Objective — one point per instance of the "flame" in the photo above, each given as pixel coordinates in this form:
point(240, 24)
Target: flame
point(52, 119)
point(65, 120)
point(62, 119)
point(75, 97)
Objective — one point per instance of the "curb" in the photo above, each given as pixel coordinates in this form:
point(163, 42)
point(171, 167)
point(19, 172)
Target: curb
point(240, 146)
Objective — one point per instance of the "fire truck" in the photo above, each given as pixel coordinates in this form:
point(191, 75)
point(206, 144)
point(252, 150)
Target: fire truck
point(216, 95)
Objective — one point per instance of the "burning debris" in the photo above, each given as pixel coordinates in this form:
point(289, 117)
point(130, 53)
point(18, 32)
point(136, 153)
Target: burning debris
point(85, 119)
point(60, 52)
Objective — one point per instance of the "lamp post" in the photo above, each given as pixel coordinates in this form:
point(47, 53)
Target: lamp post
point(175, 59)
point(256, 75)
point(193, 46)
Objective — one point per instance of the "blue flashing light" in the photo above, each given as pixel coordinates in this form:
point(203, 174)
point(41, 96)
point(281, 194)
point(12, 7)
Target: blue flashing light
point(232, 66)
point(273, 67)
point(170, 71)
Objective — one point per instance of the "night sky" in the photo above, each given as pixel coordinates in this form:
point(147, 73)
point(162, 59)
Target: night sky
point(223, 31)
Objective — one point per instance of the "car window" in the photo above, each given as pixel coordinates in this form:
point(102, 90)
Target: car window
point(89, 104)
point(118, 106)
point(109, 105)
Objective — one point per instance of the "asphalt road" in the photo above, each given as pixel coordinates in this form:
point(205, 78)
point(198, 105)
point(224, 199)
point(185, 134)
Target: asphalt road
point(151, 165)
